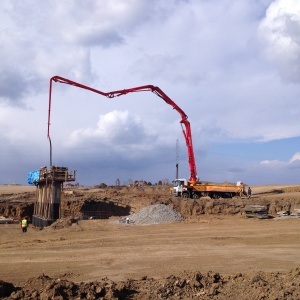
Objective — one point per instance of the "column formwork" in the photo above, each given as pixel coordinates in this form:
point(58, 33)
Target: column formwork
point(49, 188)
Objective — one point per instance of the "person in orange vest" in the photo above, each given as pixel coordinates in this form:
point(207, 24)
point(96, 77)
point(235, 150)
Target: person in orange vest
point(24, 224)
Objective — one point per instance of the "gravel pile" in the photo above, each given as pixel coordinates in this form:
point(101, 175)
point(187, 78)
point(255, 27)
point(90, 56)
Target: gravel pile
point(153, 214)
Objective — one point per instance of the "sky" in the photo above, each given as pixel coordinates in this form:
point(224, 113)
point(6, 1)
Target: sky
point(233, 67)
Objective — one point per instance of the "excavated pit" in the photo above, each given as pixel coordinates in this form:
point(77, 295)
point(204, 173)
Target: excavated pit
point(103, 203)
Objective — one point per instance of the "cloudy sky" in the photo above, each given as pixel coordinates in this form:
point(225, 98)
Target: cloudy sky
point(233, 66)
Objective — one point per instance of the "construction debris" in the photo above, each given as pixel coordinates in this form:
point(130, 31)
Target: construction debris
point(296, 212)
point(286, 214)
point(283, 213)
point(256, 211)
point(4, 220)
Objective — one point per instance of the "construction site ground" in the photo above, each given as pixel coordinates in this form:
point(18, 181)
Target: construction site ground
point(215, 253)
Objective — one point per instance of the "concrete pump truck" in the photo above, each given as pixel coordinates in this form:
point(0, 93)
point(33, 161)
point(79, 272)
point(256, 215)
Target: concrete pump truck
point(192, 188)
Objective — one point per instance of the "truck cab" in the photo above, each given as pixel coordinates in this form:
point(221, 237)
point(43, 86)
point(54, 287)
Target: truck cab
point(179, 187)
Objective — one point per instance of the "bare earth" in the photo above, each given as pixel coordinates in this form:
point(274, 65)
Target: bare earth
point(230, 245)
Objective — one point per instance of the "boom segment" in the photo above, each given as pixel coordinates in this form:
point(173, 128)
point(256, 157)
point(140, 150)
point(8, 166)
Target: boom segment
point(186, 129)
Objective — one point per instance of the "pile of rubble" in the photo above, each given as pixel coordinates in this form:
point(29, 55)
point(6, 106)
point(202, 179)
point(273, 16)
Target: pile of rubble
point(187, 285)
point(286, 214)
point(4, 220)
point(256, 211)
point(153, 214)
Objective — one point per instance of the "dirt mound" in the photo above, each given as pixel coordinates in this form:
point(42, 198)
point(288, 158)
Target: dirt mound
point(63, 223)
point(187, 285)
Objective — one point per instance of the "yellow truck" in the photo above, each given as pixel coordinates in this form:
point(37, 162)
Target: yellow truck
point(186, 189)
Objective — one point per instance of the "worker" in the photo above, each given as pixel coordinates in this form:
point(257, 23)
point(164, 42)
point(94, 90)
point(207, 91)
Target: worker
point(241, 189)
point(24, 224)
point(249, 192)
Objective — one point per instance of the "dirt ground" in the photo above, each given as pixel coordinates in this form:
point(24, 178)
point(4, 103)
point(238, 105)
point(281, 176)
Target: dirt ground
point(216, 253)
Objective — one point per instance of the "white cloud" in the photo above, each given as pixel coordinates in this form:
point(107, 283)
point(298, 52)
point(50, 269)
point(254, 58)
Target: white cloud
point(115, 128)
point(280, 31)
point(293, 162)
point(295, 158)
point(271, 162)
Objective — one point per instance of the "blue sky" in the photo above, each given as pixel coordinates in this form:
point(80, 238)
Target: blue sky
point(232, 66)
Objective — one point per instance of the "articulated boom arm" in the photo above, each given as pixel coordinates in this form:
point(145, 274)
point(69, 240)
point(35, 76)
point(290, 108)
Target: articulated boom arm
point(156, 90)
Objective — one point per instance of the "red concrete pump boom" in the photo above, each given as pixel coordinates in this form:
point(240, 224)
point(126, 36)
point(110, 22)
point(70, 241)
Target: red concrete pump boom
point(156, 90)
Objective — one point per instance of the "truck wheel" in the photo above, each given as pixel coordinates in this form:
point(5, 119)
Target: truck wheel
point(227, 195)
point(216, 196)
point(196, 196)
point(185, 195)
